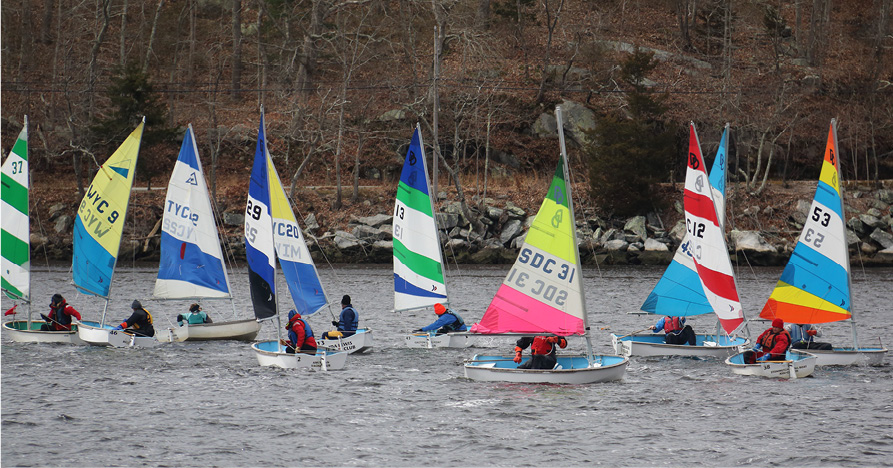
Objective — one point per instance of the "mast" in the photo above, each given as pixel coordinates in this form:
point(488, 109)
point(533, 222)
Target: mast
point(570, 203)
point(263, 124)
point(849, 271)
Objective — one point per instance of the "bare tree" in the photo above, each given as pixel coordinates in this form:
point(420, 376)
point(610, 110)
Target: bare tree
point(551, 24)
point(237, 46)
point(152, 36)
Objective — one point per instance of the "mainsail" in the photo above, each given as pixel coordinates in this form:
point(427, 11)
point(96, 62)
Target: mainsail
point(815, 285)
point(191, 263)
point(679, 292)
point(16, 243)
point(259, 246)
point(708, 245)
point(418, 264)
point(542, 292)
point(99, 224)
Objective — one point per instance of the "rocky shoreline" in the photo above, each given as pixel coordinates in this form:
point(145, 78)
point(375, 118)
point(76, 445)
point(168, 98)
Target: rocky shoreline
point(640, 240)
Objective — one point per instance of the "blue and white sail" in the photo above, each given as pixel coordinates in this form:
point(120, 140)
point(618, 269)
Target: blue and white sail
point(678, 292)
point(259, 245)
point(191, 263)
point(294, 257)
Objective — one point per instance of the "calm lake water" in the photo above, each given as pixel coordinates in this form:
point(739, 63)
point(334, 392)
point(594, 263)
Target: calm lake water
point(211, 404)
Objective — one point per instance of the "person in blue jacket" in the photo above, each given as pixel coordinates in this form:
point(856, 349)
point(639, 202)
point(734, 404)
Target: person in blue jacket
point(677, 332)
point(347, 323)
point(803, 337)
point(447, 321)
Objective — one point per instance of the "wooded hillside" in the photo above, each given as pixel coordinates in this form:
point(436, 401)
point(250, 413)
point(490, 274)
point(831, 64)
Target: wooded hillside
point(343, 81)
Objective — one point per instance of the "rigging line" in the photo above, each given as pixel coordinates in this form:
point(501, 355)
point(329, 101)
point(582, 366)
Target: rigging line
point(583, 206)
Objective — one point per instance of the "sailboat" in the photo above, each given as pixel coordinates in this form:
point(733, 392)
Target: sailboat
point(543, 294)
point(272, 232)
point(16, 248)
point(815, 286)
point(98, 229)
point(419, 280)
point(191, 264)
point(678, 293)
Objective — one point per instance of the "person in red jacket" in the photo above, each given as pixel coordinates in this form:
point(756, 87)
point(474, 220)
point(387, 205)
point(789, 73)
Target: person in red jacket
point(542, 350)
point(60, 315)
point(771, 345)
point(300, 335)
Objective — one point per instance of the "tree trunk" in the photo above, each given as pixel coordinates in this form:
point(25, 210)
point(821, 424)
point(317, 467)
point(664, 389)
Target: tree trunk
point(94, 55)
point(309, 51)
point(482, 15)
point(551, 23)
point(122, 59)
point(47, 22)
point(356, 169)
point(237, 47)
point(152, 36)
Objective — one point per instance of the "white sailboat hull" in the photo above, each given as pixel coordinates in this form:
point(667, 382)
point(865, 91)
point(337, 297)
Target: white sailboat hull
point(798, 365)
point(94, 334)
point(652, 345)
point(239, 330)
point(447, 340)
point(848, 356)
point(19, 332)
point(358, 343)
point(272, 354)
point(569, 370)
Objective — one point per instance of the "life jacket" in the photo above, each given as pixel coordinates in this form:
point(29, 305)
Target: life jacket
point(196, 317)
point(309, 340)
point(672, 324)
point(144, 325)
point(58, 314)
point(353, 324)
point(455, 325)
point(308, 332)
point(767, 340)
point(542, 344)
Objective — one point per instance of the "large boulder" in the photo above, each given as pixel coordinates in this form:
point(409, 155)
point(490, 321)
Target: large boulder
point(636, 225)
point(616, 245)
point(579, 121)
point(510, 230)
point(63, 224)
point(883, 238)
point(652, 245)
point(758, 251)
point(375, 221)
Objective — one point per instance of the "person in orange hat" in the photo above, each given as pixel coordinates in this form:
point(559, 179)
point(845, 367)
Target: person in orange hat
point(447, 321)
point(771, 345)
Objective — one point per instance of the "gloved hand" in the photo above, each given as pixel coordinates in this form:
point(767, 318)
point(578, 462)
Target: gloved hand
point(811, 332)
point(335, 323)
point(179, 318)
point(517, 358)
point(119, 327)
point(764, 357)
point(757, 347)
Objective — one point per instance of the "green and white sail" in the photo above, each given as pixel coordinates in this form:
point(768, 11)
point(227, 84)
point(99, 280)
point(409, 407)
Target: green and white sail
point(418, 264)
point(16, 246)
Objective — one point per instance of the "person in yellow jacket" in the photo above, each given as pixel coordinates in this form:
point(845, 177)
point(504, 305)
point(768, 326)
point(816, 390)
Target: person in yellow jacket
point(139, 322)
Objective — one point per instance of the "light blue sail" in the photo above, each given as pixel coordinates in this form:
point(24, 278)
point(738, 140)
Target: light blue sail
point(679, 292)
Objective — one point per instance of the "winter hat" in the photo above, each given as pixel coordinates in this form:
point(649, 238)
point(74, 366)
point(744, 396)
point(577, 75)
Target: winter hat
point(439, 309)
point(57, 299)
point(345, 300)
point(136, 305)
point(778, 323)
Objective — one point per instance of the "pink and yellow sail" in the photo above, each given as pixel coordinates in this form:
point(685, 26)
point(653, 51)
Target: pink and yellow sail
point(815, 285)
point(543, 291)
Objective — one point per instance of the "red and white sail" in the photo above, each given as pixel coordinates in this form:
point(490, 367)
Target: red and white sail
point(709, 250)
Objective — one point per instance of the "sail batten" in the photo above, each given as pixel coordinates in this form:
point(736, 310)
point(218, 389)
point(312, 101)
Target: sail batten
point(191, 262)
point(815, 284)
point(99, 224)
point(419, 279)
point(15, 232)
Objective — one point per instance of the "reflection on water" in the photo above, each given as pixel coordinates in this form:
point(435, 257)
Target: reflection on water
point(203, 404)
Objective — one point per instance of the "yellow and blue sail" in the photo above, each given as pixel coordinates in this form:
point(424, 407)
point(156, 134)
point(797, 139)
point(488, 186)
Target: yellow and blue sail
point(297, 266)
point(815, 284)
point(99, 224)
point(15, 231)
point(191, 264)
point(679, 292)
point(418, 262)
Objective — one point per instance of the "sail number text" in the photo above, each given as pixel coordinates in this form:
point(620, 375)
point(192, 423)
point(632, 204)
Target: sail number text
point(695, 228)
point(812, 236)
point(536, 288)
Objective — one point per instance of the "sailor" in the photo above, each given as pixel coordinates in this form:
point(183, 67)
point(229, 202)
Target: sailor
point(803, 337)
point(347, 323)
point(300, 335)
point(447, 321)
point(60, 315)
point(677, 332)
point(195, 316)
point(772, 344)
point(139, 323)
point(542, 349)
